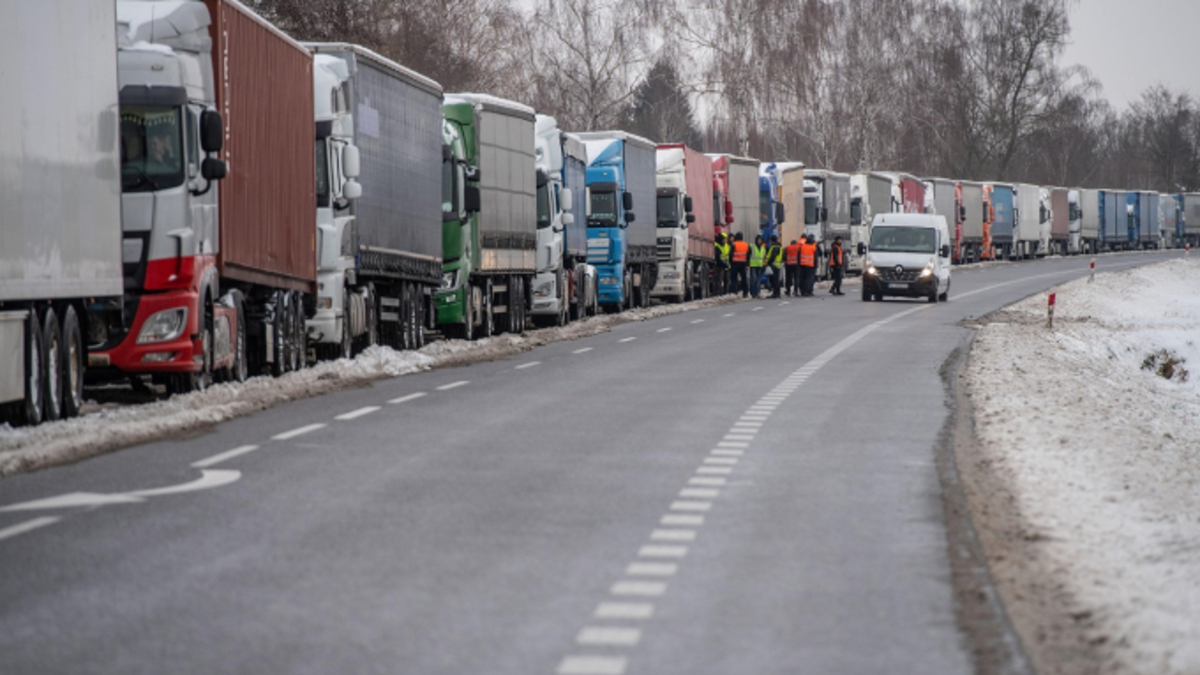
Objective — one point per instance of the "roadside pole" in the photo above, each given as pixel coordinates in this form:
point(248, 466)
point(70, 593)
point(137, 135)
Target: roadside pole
point(1050, 311)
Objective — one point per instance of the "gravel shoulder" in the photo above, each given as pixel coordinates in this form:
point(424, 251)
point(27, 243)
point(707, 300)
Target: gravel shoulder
point(1083, 477)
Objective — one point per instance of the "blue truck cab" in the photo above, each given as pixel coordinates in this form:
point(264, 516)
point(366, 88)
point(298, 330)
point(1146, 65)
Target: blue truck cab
point(770, 208)
point(621, 245)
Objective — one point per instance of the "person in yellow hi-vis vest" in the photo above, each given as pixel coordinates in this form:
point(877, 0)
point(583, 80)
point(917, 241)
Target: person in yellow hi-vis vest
point(723, 253)
point(758, 257)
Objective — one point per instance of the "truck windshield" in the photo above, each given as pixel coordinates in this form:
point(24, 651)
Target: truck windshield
point(543, 206)
point(151, 148)
point(604, 209)
point(903, 239)
point(856, 211)
point(449, 210)
point(668, 210)
point(322, 174)
point(764, 209)
point(810, 210)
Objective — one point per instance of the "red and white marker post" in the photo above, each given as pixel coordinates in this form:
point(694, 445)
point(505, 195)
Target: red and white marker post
point(1050, 311)
point(1092, 274)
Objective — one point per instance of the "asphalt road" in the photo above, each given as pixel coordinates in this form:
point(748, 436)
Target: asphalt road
point(744, 489)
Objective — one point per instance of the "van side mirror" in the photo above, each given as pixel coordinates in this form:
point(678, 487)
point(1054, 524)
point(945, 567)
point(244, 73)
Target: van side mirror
point(862, 248)
point(687, 206)
point(350, 161)
point(568, 219)
point(627, 201)
point(566, 200)
point(212, 131)
point(471, 199)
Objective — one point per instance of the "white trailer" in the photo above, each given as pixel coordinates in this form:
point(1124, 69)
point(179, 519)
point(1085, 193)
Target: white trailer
point(60, 240)
point(1027, 221)
point(1089, 220)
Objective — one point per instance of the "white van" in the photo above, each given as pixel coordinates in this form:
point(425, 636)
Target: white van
point(907, 255)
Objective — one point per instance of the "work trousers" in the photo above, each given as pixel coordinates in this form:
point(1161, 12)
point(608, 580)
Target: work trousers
point(776, 281)
point(838, 273)
point(755, 280)
point(808, 278)
point(721, 280)
point(793, 279)
point(739, 279)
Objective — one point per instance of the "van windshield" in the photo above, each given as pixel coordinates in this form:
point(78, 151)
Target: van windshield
point(893, 239)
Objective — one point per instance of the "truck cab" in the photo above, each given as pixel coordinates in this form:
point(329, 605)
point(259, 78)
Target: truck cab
point(461, 307)
point(1075, 216)
point(565, 285)
point(770, 207)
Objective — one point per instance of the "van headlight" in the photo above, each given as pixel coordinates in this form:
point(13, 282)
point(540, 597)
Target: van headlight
point(928, 271)
point(871, 270)
point(162, 326)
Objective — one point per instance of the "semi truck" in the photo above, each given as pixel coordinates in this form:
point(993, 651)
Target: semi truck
point(1060, 222)
point(683, 218)
point(218, 279)
point(1170, 209)
point(379, 212)
point(1114, 220)
point(1145, 229)
point(60, 239)
point(737, 178)
point(1089, 210)
point(621, 178)
point(1027, 220)
point(944, 197)
point(770, 208)
point(908, 192)
point(489, 245)
point(826, 211)
point(870, 194)
point(976, 238)
point(791, 196)
point(565, 286)
point(1001, 200)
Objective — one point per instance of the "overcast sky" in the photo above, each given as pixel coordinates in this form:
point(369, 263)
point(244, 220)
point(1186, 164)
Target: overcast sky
point(1130, 45)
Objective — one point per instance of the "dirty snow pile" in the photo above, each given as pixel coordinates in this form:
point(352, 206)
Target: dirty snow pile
point(104, 428)
point(1093, 427)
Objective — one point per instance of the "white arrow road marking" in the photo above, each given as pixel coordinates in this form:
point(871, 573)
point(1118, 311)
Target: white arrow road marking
point(209, 479)
point(22, 528)
point(72, 500)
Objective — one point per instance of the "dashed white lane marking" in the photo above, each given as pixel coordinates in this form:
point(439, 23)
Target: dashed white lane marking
point(728, 453)
point(628, 339)
point(355, 414)
point(690, 506)
point(682, 520)
point(715, 470)
point(593, 665)
point(698, 321)
point(652, 551)
point(406, 399)
point(728, 461)
point(583, 351)
point(27, 526)
point(757, 309)
point(707, 480)
point(727, 316)
point(624, 610)
point(647, 589)
point(608, 636)
point(751, 425)
point(648, 569)
point(699, 493)
point(663, 330)
point(738, 437)
point(733, 444)
point(227, 455)
point(453, 385)
point(531, 364)
point(297, 432)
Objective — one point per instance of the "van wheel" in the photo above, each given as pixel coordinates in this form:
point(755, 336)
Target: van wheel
point(866, 297)
point(933, 296)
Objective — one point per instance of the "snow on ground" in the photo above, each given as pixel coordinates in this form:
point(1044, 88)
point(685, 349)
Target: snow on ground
point(105, 428)
point(1098, 467)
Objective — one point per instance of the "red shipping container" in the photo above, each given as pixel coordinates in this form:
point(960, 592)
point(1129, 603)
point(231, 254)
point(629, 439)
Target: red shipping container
point(698, 174)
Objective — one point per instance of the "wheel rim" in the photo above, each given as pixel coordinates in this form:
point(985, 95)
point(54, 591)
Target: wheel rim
point(35, 375)
point(74, 369)
point(53, 372)
point(240, 365)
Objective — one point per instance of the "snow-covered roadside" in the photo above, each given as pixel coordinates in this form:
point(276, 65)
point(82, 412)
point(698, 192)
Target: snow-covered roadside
point(108, 429)
point(1085, 478)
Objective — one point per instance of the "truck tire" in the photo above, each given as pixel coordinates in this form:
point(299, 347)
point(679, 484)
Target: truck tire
point(279, 328)
point(487, 320)
point(32, 407)
point(241, 363)
point(184, 383)
point(73, 363)
point(419, 315)
point(52, 373)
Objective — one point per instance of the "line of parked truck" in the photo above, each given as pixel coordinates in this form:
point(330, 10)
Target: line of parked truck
point(194, 196)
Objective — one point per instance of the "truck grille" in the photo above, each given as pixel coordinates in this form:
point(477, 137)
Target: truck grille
point(890, 274)
point(664, 248)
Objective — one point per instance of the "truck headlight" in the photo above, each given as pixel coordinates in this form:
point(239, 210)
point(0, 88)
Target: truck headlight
point(610, 281)
point(671, 274)
point(324, 302)
point(449, 281)
point(544, 289)
point(162, 326)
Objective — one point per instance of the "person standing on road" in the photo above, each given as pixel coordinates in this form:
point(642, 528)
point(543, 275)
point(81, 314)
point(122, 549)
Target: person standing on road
point(837, 266)
point(808, 266)
point(758, 256)
point(775, 263)
point(723, 252)
point(741, 256)
point(792, 267)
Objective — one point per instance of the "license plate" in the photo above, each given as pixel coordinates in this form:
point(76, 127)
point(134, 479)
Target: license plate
point(898, 286)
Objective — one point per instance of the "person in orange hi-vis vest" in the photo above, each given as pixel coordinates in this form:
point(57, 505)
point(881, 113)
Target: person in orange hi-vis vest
point(808, 266)
point(837, 265)
point(791, 268)
point(741, 257)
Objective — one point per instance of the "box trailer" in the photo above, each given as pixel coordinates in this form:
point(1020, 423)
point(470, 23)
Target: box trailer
point(379, 250)
point(1027, 220)
point(972, 224)
point(791, 195)
point(1114, 220)
point(1090, 208)
point(944, 198)
point(1145, 229)
point(1191, 218)
point(1002, 228)
point(740, 177)
point(1060, 221)
point(60, 238)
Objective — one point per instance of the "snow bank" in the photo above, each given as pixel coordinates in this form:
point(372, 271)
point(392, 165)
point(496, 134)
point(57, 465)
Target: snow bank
point(1099, 463)
point(111, 427)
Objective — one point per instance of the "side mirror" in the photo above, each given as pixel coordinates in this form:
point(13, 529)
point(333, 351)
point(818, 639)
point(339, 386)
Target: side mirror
point(352, 189)
point(471, 199)
point(212, 131)
point(630, 216)
point(627, 201)
point(824, 214)
point(567, 201)
point(350, 165)
point(568, 219)
point(447, 155)
point(687, 206)
point(945, 250)
point(213, 169)
point(862, 248)
point(780, 214)
point(471, 172)
point(690, 219)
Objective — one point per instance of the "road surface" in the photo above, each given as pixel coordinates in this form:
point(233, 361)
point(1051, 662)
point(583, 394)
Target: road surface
point(743, 489)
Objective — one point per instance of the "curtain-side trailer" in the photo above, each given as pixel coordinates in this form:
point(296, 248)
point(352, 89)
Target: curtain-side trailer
point(973, 218)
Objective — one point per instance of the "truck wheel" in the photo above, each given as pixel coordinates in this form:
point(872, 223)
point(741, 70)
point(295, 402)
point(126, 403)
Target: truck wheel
point(31, 407)
point(299, 334)
point(418, 317)
point(468, 324)
point(241, 365)
point(279, 336)
point(73, 365)
point(52, 375)
point(487, 323)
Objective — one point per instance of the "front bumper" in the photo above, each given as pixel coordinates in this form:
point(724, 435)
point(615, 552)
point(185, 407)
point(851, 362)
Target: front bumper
point(548, 305)
point(920, 288)
point(183, 354)
point(451, 306)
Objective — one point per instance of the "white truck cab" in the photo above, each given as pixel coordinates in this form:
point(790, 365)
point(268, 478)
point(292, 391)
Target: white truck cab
point(907, 255)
